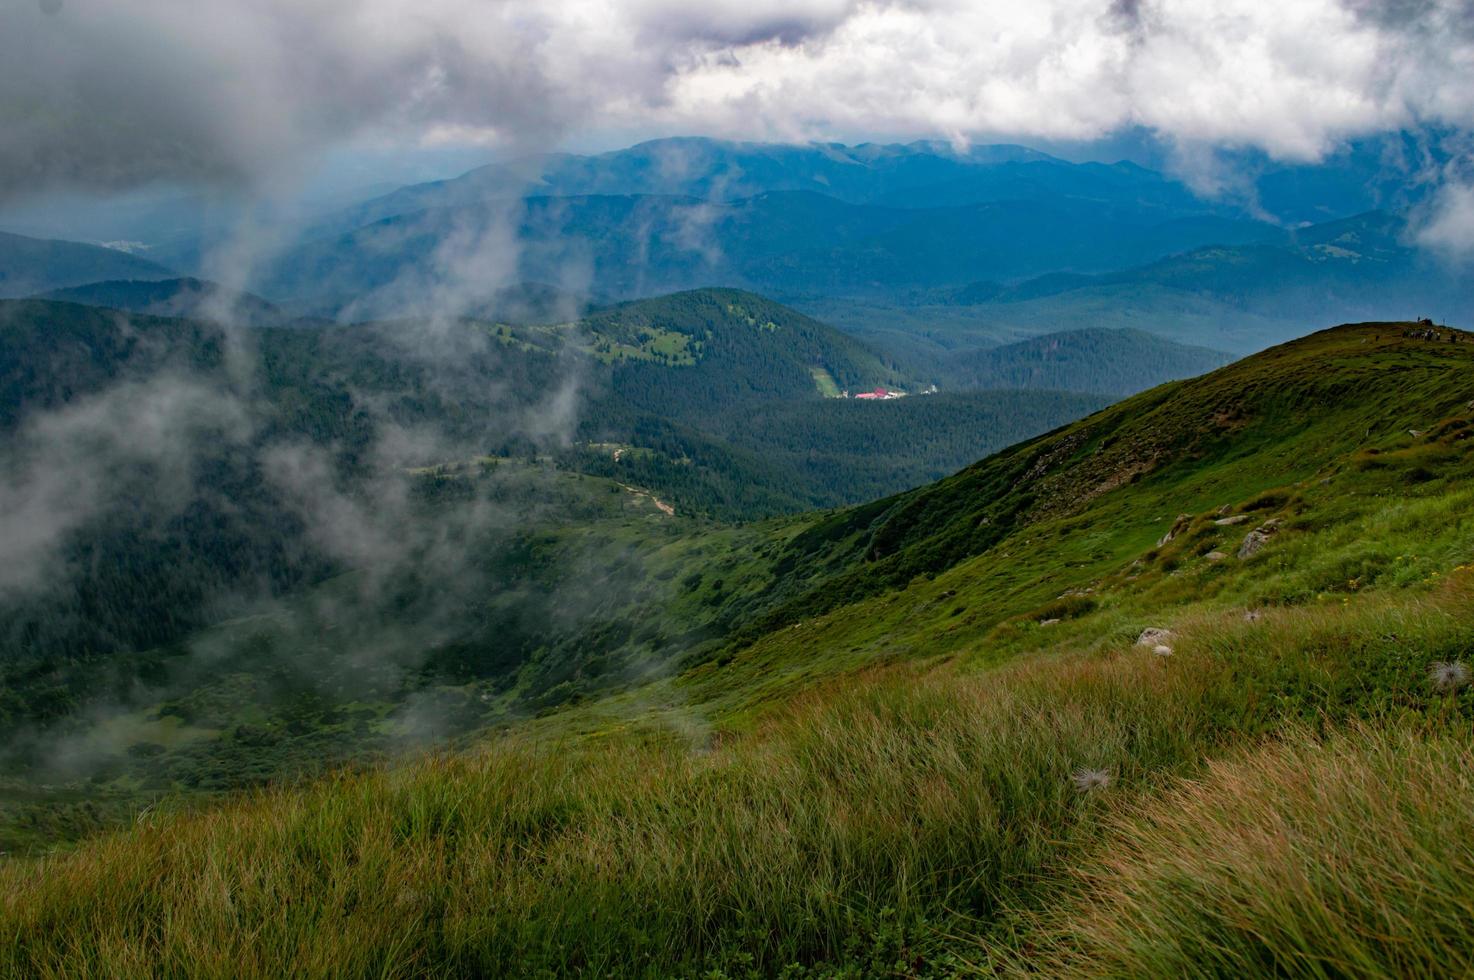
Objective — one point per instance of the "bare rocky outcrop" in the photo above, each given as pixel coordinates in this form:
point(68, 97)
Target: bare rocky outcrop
point(1154, 636)
point(1178, 526)
point(1256, 539)
point(1231, 521)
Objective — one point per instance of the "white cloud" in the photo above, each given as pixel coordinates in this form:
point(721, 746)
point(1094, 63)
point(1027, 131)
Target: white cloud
point(1450, 226)
point(116, 94)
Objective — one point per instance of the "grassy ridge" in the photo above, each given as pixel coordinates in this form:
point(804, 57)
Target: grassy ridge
point(1091, 494)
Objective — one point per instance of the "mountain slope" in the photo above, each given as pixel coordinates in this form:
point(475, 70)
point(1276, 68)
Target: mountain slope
point(746, 350)
point(787, 243)
point(182, 298)
point(916, 174)
point(161, 472)
point(35, 265)
point(1242, 297)
point(931, 716)
point(623, 246)
point(1174, 447)
point(1119, 362)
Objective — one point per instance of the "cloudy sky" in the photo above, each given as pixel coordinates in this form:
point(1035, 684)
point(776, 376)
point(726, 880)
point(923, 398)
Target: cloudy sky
point(108, 94)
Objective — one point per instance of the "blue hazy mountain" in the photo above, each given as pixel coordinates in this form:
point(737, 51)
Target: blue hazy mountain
point(1247, 296)
point(783, 243)
point(919, 174)
point(1378, 173)
point(984, 244)
point(186, 297)
point(34, 265)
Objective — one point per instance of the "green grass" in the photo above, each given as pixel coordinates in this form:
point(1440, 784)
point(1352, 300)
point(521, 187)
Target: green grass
point(1341, 857)
point(824, 381)
point(881, 783)
point(892, 817)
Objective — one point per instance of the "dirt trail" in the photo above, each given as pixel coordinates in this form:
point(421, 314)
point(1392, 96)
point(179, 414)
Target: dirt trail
point(660, 505)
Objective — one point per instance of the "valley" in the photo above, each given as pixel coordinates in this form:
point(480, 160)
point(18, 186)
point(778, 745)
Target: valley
point(369, 523)
point(728, 559)
point(951, 654)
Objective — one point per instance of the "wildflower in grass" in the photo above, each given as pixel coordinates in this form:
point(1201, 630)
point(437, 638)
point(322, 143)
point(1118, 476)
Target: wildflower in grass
point(1089, 780)
point(1162, 650)
point(1448, 675)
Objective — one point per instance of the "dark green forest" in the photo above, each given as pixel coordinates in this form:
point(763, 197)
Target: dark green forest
point(1114, 362)
point(452, 475)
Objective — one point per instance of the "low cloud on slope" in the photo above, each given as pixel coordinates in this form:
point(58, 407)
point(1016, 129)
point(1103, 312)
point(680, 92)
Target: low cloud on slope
point(112, 95)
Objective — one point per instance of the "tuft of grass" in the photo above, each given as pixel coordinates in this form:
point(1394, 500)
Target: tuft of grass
point(1346, 857)
point(1448, 675)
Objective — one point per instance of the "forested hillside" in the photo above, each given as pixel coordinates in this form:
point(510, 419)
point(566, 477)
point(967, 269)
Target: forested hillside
point(1117, 362)
point(186, 298)
point(163, 475)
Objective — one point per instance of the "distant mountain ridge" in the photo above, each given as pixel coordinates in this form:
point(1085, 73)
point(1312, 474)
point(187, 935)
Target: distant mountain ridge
point(185, 297)
point(34, 265)
point(1015, 241)
point(868, 173)
point(1244, 296)
point(1115, 362)
point(786, 244)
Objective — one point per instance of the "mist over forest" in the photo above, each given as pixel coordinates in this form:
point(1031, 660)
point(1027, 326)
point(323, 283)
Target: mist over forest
point(802, 489)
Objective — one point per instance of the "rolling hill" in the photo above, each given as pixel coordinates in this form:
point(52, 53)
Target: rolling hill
point(1117, 362)
point(1051, 713)
point(182, 298)
point(35, 265)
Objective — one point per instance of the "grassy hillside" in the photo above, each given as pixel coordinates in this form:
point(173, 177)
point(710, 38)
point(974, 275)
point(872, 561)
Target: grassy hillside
point(1134, 465)
point(930, 744)
point(34, 265)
